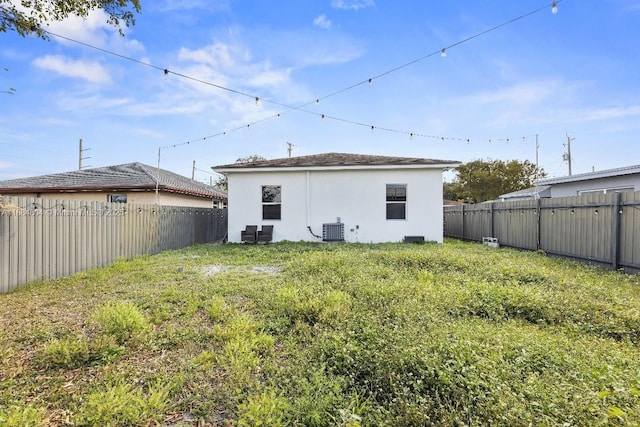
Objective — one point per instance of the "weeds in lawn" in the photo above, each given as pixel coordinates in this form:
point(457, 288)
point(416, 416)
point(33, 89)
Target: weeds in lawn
point(121, 320)
point(75, 352)
point(348, 335)
point(123, 404)
point(21, 416)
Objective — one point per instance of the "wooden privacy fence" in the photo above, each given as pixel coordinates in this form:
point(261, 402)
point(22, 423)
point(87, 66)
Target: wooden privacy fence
point(47, 239)
point(598, 228)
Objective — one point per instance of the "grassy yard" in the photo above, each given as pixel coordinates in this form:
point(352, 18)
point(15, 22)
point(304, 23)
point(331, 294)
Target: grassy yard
point(325, 335)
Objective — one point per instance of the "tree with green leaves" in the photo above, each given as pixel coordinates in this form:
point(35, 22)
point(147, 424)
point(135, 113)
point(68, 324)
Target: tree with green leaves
point(481, 180)
point(222, 182)
point(31, 16)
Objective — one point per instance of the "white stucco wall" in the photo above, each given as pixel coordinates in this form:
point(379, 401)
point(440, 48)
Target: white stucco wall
point(357, 197)
point(570, 189)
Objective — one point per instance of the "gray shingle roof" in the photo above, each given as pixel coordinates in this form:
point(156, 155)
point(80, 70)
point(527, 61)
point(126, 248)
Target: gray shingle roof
point(627, 170)
point(339, 159)
point(130, 176)
point(533, 192)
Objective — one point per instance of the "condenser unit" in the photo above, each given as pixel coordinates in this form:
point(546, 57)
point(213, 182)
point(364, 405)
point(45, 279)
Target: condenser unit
point(333, 232)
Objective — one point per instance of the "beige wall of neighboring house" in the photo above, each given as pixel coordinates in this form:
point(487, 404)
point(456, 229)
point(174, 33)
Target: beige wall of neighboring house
point(133, 197)
point(134, 183)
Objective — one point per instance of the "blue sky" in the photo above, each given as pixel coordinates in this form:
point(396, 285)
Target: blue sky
point(575, 73)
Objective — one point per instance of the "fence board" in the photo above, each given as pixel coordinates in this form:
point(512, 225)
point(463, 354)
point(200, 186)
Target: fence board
point(629, 215)
point(581, 227)
point(48, 239)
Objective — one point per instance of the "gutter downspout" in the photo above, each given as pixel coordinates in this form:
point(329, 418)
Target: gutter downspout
point(308, 204)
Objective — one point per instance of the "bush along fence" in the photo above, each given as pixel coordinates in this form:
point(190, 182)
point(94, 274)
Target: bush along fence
point(603, 229)
point(47, 239)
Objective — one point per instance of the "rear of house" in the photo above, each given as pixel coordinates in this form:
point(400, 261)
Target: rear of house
point(338, 197)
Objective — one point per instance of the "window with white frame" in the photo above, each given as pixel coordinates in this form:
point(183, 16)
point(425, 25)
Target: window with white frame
point(630, 188)
point(396, 201)
point(271, 201)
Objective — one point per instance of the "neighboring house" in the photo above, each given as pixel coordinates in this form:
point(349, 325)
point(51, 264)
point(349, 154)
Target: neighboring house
point(606, 181)
point(338, 197)
point(531, 193)
point(619, 180)
point(128, 183)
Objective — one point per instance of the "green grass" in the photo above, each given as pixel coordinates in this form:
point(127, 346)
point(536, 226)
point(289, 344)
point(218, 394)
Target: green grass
point(327, 335)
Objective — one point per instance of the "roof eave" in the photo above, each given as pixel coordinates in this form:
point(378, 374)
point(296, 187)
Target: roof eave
point(250, 169)
point(112, 189)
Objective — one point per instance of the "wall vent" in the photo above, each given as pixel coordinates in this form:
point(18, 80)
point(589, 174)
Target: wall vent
point(333, 232)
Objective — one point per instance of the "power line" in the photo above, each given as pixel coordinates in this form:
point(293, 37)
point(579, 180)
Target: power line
point(301, 108)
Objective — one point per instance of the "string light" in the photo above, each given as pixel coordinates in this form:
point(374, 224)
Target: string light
point(554, 7)
point(443, 53)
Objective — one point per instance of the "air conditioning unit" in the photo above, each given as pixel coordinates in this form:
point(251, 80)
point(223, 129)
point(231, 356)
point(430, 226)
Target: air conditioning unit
point(333, 232)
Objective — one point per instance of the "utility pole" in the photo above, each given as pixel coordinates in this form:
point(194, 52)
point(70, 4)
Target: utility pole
point(537, 148)
point(290, 148)
point(567, 156)
point(193, 171)
point(80, 158)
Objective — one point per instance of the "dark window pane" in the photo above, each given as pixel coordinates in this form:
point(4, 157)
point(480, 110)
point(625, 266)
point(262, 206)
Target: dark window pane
point(271, 194)
point(396, 211)
point(270, 211)
point(396, 193)
point(118, 198)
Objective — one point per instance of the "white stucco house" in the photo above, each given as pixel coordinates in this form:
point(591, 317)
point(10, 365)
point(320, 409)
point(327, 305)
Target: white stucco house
point(338, 197)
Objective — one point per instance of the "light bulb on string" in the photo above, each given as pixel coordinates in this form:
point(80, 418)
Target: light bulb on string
point(554, 7)
point(443, 52)
point(257, 100)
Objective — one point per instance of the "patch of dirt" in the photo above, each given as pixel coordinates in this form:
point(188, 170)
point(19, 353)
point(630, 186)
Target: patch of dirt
point(212, 270)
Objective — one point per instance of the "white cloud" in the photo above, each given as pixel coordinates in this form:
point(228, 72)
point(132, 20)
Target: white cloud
point(175, 5)
point(270, 78)
point(215, 55)
point(95, 31)
point(597, 114)
point(520, 94)
point(322, 22)
point(352, 4)
point(90, 71)
point(227, 64)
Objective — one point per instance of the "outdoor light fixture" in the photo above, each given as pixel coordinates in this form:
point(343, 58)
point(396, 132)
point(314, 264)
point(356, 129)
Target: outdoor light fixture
point(554, 7)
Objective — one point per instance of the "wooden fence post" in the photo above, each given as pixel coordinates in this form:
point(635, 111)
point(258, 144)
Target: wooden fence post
point(615, 231)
